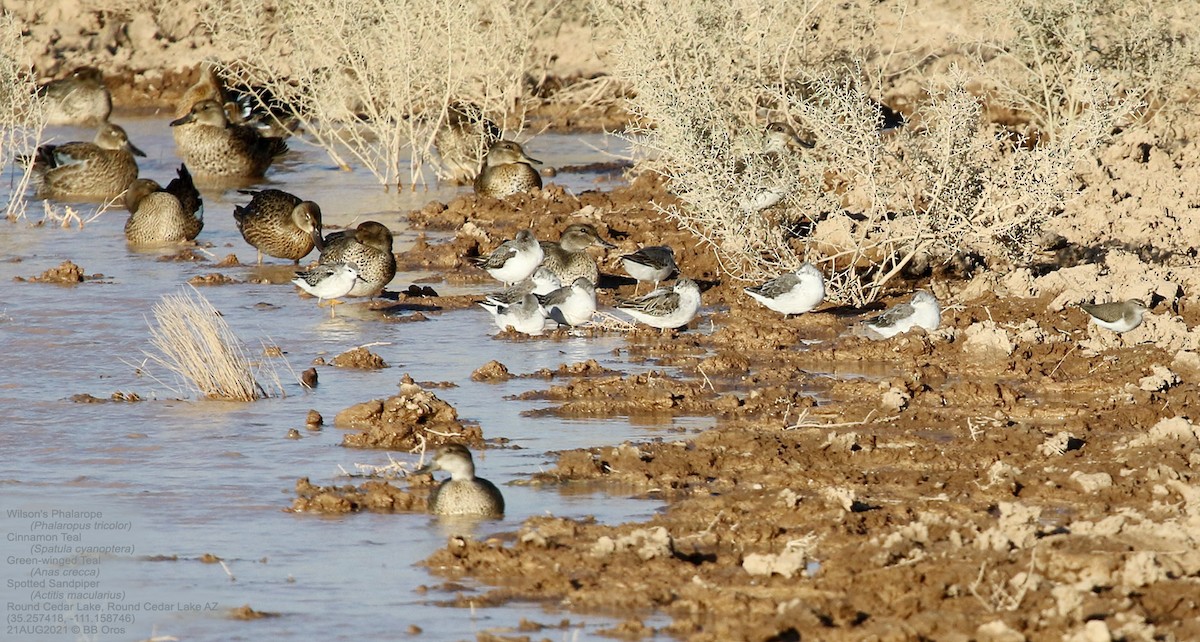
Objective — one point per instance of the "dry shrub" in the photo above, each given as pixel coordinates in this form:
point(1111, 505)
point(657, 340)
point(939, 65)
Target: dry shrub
point(22, 114)
point(1046, 55)
point(196, 344)
point(371, 80)
point(863, 204)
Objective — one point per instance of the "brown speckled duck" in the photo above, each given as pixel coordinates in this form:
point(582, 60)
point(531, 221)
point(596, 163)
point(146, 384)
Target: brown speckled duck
point(214, 147)
point(463, 140)
point(78, 99)
point(279, 224)
point(568, 258)
point(369, 246)
point(463, 493)
point(101, 169)
point(163, 215)
point(507, 170)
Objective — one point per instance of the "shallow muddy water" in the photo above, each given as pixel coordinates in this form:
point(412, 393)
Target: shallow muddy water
point(152, 487)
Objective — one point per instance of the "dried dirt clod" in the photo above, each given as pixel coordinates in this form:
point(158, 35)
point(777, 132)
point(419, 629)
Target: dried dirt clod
point(314, 418)
point(215, 278)
point(491, 371)
point(67, 273)
point(405, 421)
point(244, 612)
point(373, 496)
point(292, 433)
point(360, 358)
point(230, 260)
point(308, 379)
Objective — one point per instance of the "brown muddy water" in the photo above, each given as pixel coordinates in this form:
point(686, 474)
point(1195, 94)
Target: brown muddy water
point(129, 520)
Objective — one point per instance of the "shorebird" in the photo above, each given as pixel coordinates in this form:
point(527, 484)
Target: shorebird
point(279, 224)
point(923, 311)
point(777, 141)
point(650, 264)
point(507, 170)
point(328, 281)
point(792, 293)
point(542, 282)
point(463, 493)
point(369, 246)
point(1118, 316)
point(163, 215)
point(525, 316)
point(665, 308)
point(514, 260)
point(102, 168)
point(572, 304)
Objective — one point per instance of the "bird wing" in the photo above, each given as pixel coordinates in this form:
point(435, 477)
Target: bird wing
point(893, 315)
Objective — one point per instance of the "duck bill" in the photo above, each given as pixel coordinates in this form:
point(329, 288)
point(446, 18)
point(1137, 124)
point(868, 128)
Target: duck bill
point(529, 159)
point(318, 238)
point(182, 120)
point(135, 151)
point(602, 243)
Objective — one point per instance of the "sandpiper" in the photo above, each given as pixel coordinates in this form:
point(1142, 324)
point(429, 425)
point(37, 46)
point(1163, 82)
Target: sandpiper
point(525, 316)
point(792, 293)
point(463, 493)
point(507, 170)
point(279, 224)
point(650, 264)
point(568, 258)
point(514, 260)
point(923, 311)
point(78, 99)
point(369, 246)
point(665, 308)
point(102, 168)
point(328, 281)
point(1118, 316)
point(214, 147)
point(163, 215)
point(542, 282)
point(571, 305)
point(777, 141)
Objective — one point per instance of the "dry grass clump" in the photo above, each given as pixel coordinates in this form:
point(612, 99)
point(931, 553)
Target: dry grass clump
point(371, 80)
point(196, 344)
point(865, 203)
point(22, 114)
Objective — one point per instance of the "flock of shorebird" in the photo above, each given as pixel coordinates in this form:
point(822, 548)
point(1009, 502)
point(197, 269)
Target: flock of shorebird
point(546, 283)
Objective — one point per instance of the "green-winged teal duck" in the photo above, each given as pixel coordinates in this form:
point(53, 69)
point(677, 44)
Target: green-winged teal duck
point(214, 147)
point(99, 169)
point(568, 258)
point(279, 224)
point(369, 246)
point(507, 170)
point(163, 215)
point(463, 493)
point(78, 99)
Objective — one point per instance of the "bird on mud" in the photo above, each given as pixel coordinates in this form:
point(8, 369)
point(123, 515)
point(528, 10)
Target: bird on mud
point(513, 260)
point(923, 311)
point(525, 316)
point(665, 308)
point(571, 304)
point(463, 493)
point(279, 224)
point(655, 263)
point(507, 170)
point(540, 283)
point(568, 258)
point(1118, 316)
point(369, 246)
point(163, 215)
point(793, 292)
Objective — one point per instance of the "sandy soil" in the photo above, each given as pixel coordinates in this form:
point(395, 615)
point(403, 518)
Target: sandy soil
point(1017, 474)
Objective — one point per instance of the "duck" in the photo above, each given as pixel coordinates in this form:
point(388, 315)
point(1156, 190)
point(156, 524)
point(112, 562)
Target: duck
point(463, 493)
point(79, 99)
point(369, 246)
point(568, 259)
point(463, 140)
point(507, 170)
point(100, 169)
point(163, 215)
point(279, 224)
point(214, 147)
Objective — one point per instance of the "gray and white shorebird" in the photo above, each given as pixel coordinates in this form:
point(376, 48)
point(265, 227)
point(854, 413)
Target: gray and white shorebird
point(923, 311)
point(665, 308)
point(328, 282)
point(507, 170)
point(369, 246)
point(777, 141)
point(513, 260)
point(463, 493)
point(792, 293)
point(1118, 316)
point(650, 264)
point(572, 304)
point(541, 283)
point(568, 258)
point(525, 316)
